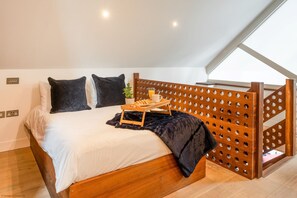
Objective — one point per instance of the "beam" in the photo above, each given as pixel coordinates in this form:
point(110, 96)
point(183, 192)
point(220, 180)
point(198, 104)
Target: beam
point(258, 87)
point(290, 117)
point(267, 87)
point(135, 79)
point(260, 19)
point(268, 62)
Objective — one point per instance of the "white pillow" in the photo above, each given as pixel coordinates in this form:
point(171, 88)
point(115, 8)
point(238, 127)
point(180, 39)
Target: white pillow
point(45, 95)
point(91, 93)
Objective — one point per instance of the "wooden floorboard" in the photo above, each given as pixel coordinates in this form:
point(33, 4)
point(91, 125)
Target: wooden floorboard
point(20, 177)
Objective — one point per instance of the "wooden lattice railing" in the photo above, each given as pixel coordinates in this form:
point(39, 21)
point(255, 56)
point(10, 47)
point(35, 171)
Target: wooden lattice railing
point(281, 132)
point(274, 104)
point(274, 136)
point(235, 118)
point(229, 115)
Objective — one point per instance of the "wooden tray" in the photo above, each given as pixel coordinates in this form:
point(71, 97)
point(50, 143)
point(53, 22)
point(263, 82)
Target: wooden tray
point(145, 106)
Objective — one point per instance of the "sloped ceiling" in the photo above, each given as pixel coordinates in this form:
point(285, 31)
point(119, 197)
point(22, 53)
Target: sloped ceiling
point(138, 33)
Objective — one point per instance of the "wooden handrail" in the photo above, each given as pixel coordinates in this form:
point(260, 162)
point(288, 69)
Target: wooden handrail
point(135, 78)
point(234, 85)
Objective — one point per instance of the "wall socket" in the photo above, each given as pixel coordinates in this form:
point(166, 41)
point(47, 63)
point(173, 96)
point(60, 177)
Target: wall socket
point(2, 114)
point(12, 113)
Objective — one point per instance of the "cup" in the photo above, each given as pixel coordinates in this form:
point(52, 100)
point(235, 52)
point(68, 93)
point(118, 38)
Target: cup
point(156, 97)
point(151, 92)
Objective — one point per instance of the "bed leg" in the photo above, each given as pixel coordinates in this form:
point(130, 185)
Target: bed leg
point(122, 116)
point(143, 118)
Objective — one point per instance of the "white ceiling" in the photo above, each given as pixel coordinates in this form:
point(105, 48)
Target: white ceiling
point(139, 33)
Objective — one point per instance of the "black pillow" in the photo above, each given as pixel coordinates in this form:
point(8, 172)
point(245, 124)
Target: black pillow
point(68, 95)
point(109, 90)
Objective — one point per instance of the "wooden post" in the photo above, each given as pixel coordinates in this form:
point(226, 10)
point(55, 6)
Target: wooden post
point(290, 117)
point(135, 79)
point(259, 89)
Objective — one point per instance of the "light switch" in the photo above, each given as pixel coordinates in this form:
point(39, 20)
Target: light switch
point(10, 81)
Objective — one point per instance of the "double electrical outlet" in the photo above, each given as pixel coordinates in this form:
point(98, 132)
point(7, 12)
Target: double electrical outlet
point(10, 113)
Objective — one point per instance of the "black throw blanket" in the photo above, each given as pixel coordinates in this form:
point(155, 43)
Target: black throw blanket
point(186, 136)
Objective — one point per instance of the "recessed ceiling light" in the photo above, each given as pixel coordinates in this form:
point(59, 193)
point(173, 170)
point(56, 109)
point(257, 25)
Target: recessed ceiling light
point(174, 24)
point(105, 14)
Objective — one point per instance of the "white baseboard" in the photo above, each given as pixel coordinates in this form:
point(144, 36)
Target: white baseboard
point(14, 144)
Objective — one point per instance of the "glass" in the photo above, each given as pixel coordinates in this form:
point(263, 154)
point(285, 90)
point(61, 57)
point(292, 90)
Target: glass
point(242, 67)
point(276, 38)
point(151, 92)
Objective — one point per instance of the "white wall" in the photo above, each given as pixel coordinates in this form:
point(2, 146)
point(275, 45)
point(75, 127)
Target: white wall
point(25, 95)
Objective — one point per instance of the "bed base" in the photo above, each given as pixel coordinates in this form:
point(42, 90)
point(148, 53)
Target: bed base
point(155, 178)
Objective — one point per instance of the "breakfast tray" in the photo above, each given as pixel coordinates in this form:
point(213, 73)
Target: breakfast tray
point(145, 106)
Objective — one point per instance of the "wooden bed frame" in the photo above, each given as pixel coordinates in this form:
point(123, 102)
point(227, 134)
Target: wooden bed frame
point(235, 118)
point(155, 178)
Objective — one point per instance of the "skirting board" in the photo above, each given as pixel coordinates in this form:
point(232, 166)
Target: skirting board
point(14, 144)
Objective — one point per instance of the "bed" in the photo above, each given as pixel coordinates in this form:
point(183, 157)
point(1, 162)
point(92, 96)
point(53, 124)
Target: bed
point(69, 148)
point(235, 118)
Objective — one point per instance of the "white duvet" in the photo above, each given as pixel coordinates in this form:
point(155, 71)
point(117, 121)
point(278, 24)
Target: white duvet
point(81, 145)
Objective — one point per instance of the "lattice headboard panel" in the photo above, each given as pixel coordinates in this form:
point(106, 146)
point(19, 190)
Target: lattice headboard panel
point(228, 114)
point(274, 104)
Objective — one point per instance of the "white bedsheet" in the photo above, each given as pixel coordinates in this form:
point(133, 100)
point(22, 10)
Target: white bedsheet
point(81, 145)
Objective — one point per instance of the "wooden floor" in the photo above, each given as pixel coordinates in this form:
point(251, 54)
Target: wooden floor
point(20, 177)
